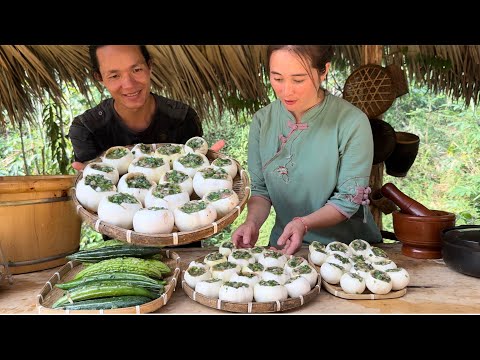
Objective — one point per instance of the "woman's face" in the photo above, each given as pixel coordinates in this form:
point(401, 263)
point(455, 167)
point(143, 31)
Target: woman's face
point(125, 74)
point(291, 80)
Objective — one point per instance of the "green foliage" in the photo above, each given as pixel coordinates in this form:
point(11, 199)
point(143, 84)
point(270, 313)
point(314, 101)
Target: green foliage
point(88, 236)
point(54, 127)
point(235, 135)
point(10, 149)
point(264, 236)
point(446, 172)
point(240, 106)
point(41, 147)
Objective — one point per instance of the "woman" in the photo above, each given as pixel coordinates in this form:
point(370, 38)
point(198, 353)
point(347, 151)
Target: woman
point(310, 155)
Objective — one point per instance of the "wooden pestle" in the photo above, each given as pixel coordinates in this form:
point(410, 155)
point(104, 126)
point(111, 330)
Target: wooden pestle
point(406, 204)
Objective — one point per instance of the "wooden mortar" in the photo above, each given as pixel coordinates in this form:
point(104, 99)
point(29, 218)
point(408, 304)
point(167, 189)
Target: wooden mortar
point(421, 235)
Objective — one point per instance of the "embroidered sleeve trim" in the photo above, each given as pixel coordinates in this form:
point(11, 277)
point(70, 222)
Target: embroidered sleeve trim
point(361, 196)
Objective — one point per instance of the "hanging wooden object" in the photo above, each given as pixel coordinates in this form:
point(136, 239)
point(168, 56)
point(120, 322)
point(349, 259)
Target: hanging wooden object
point(371, 89)
point(399, 79)
point(384, 140)
point(373, 54)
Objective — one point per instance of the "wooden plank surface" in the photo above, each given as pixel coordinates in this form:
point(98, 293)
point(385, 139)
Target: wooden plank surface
point(434, 289)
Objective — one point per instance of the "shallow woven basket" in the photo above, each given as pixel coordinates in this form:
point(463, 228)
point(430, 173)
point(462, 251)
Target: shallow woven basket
point(251, 307)
point(370, 88)
point(241, 185)
point(336, 290)
point(49, 293)
point(399, 79)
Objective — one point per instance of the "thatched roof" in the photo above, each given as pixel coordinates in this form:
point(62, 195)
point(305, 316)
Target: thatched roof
point(452, 69)
point(213, 78)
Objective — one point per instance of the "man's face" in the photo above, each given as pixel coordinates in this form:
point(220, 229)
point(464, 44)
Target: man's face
point(125, 74)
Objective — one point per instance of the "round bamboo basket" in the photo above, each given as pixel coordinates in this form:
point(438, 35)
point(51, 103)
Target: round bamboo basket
point(399, 79)
point(336, 290)
point(49, 293)
point(241, 185)
point(251, 307)
point(39, 226)
point(371, 89)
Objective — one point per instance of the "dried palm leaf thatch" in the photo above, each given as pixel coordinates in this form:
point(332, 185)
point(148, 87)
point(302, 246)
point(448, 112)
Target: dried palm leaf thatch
point(183, 73)
point(451, 69)
point(215, 78)
point(211, 78)
point(348, 57)
point(240, 74)
point(21, 77)
point(29, 73)
point(74, 62)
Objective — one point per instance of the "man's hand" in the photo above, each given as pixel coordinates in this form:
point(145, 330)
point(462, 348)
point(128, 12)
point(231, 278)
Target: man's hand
point(79, 166)
point(218, 145)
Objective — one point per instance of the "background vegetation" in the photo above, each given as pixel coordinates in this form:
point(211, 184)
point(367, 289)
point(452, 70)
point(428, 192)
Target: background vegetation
point(446, 171)
point(445, 175)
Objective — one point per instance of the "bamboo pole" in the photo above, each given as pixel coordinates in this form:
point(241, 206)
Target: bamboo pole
point(373, 54)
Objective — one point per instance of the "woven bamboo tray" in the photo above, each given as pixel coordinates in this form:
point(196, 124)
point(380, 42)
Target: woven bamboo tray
point(241, 185)
point(370, 88)
point(49, 293)
point(336, 290)
point(251, 307)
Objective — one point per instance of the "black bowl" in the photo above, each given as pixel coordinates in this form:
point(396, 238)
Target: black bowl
point(384, 140)
point(461, 249)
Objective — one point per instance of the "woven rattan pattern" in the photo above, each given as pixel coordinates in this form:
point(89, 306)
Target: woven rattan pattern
point(241, 185)
point(49, 293)
point(370, 88)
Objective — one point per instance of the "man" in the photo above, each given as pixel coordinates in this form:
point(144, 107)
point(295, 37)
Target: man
point(133, 114)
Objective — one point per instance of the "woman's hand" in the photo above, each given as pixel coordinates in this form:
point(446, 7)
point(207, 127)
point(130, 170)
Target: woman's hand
point(292, 237)
point(246, 235)
point(79, 166)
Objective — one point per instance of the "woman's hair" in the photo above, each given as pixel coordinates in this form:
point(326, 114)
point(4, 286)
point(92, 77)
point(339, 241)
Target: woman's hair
point(92, 50)
point(318, 55)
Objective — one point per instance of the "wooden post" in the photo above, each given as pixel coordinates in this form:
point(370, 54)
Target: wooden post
point(373, 54)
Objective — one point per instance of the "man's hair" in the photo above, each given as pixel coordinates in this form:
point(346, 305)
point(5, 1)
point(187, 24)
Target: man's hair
point(92, 50)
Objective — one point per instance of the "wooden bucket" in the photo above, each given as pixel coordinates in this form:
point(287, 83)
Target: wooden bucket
point(39, 226)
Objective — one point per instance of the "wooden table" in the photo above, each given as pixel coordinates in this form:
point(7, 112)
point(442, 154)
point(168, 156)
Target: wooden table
point(434, 289)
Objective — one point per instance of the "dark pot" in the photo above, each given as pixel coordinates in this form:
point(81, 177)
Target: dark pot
point(384, 140)
point(461, 249)
point(404, 154)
